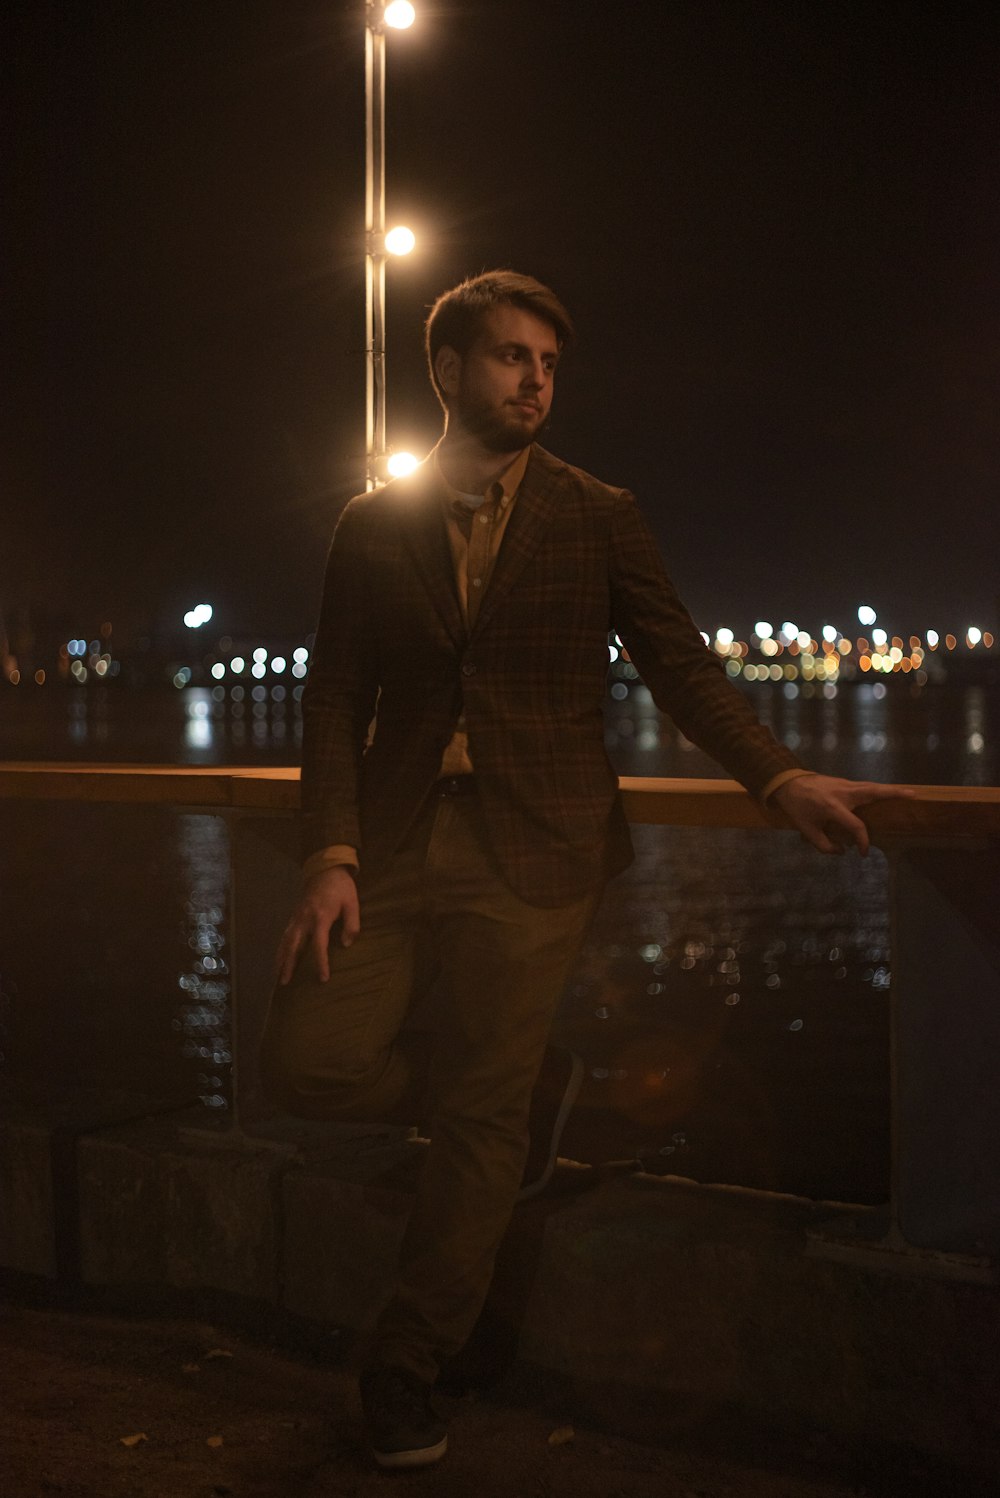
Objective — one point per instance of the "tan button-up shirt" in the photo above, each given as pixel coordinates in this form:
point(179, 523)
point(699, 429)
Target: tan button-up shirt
point(476, 525)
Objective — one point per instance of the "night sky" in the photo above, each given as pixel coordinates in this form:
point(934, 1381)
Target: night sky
point(776, 226)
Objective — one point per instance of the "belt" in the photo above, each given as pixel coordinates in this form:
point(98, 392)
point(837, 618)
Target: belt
point(455, 785)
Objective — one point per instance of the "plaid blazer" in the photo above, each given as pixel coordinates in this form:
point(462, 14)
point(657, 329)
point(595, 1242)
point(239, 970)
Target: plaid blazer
point(577, 560)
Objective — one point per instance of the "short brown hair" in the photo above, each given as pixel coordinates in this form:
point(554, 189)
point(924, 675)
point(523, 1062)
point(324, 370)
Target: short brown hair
point(456, 318)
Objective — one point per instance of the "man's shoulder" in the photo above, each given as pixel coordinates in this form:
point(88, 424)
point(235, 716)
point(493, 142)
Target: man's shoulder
point(399, 496)
point(558, 471)
point(383, 499)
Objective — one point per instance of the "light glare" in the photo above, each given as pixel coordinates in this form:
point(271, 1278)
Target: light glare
point(400, 240)
point(400, 464)
point(866, 614)
point(399, 14)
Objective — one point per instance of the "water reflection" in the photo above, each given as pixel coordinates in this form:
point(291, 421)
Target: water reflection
point(948, 735)
point(712, 956)
point(975, 723)
point(867, 731)
point(202, 1017)
point(199, 731)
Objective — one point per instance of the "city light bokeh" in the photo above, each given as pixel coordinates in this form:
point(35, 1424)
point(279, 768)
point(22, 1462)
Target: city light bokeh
point(825, 655)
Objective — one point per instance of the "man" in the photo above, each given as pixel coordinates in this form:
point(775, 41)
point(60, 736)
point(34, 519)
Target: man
point(461, 814)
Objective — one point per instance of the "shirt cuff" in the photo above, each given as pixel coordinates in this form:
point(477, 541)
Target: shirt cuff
point(779, 780)
point(338, 856)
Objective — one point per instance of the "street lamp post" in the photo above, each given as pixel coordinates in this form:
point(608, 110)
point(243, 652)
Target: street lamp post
point(374, 240)
point(377, 17)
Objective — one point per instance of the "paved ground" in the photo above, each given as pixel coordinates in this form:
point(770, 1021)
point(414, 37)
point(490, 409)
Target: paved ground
point(97, 1405)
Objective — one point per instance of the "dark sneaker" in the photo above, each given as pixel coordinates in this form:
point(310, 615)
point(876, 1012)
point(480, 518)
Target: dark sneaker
point(554, 1095)
point(403, 1427)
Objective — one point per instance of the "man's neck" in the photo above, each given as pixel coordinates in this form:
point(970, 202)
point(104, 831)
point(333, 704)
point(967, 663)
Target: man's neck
point(468, 466)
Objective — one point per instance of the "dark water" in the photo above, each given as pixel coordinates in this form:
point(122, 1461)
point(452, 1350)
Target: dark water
point(730, 1002)
point(935, 735)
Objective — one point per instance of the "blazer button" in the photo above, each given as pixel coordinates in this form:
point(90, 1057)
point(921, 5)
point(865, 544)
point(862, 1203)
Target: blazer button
point(469, 669)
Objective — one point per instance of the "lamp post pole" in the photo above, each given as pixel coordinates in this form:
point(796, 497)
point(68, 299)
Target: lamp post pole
point(374, 242)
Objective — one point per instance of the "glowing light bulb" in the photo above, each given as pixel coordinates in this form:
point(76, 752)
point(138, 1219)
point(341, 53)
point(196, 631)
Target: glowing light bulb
point(400, 240)
point(399, 14)
point(400, 464)
point(866, 614)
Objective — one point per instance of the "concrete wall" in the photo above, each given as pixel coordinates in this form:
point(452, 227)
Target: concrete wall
point(700, 1293)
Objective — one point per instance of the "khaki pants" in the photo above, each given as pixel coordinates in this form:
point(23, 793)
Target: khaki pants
point(338, 1050)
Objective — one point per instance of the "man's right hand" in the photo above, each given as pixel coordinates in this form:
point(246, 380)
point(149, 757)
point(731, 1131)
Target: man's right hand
point(330, 896)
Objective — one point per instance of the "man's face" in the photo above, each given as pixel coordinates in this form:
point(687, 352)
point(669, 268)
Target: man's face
point(501, 390)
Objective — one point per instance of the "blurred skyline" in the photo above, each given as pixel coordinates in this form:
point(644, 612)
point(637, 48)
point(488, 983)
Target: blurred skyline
point(775, 224)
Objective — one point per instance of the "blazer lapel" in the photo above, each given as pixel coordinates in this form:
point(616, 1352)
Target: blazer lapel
point(423, 526)
point(536, 501)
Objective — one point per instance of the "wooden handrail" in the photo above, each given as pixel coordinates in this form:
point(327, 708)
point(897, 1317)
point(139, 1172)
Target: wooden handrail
point(935, 810)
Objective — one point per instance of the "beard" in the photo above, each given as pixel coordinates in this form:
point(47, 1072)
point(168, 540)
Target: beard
point(499, 430)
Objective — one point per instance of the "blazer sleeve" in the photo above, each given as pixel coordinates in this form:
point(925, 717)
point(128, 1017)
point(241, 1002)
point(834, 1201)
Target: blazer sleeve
point(685, 678)
point(341, 692)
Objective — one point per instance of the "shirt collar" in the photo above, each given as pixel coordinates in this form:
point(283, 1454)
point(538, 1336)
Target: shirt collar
point(505, 487)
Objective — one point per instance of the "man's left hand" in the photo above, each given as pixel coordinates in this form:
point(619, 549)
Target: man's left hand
point(822, 808)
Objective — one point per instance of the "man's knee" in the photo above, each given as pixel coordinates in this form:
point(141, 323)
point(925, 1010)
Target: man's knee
point(298, 1081)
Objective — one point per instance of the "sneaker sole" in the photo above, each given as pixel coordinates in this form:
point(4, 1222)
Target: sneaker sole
point(422, 1456)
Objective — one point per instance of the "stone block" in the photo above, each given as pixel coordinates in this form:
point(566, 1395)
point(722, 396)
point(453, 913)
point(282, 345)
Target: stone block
point(708, 1294)
point(27, 1223)
point(342, 1235)
point(158, 1209)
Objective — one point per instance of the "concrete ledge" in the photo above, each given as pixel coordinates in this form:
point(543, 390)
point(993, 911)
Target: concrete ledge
point(935, 810)
point(341, 1240)
point(693, 1290)
point(27, 1222)
point(699, 1294)
point(156, 1209)
point(40, 1127)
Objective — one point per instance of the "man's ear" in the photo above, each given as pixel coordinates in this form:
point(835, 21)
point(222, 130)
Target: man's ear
point(448, 368)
